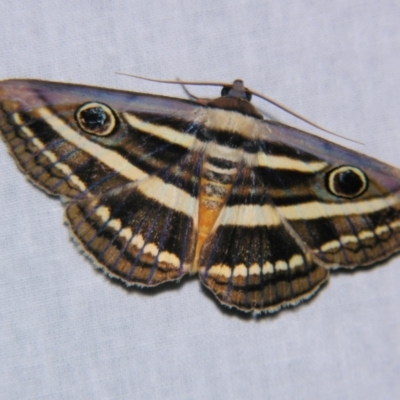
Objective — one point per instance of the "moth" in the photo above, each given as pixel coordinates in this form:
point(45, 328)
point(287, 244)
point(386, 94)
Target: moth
point(156, 188)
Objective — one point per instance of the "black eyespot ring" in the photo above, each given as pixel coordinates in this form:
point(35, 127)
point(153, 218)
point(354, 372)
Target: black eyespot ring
point(96, 118)
point(346, 181)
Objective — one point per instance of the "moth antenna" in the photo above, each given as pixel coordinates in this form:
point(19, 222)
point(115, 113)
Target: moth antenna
point(295, 114)
point(186, 90)
point(261, 96)
point(191, 96)
point(176, 81)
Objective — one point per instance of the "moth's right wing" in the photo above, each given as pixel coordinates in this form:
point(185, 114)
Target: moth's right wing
point(122, 162)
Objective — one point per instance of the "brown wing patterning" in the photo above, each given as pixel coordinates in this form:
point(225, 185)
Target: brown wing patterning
point(157, 187)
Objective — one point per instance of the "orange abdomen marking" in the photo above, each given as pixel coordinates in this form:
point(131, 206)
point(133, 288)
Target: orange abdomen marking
point(213, 194)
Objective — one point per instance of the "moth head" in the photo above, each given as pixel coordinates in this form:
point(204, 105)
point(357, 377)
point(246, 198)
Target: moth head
point(237, 98)
point(96, 118)
point(236, 90)
point(346, 181)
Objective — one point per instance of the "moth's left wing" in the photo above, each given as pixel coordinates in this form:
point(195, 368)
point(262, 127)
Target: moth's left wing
point(300, 205)
point(343, 205)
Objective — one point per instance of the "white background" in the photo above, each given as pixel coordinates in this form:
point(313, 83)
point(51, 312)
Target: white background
point(68, 332)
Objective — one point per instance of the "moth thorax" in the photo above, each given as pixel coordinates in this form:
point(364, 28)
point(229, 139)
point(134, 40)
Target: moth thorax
point(239, 105)
point(215, 185)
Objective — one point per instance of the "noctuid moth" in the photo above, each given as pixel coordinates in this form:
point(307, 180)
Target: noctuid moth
point(157, 187)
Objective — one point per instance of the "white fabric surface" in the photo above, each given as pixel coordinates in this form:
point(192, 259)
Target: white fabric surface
point(68, 332)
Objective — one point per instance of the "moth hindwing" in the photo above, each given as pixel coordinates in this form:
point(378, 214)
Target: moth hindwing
point(157, 187)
